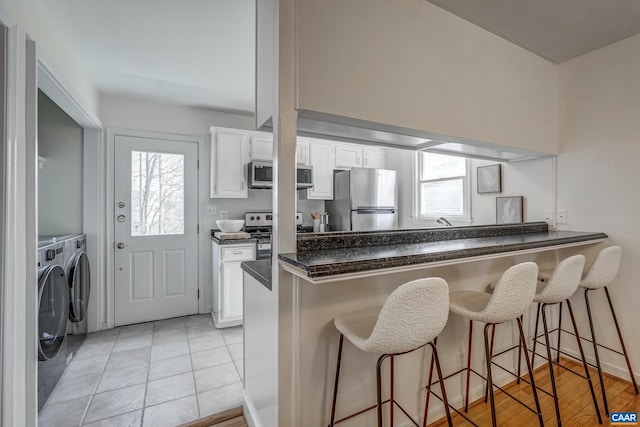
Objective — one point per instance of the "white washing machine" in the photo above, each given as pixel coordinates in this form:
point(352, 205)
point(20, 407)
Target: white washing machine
point(53, 314)
point(79, 280)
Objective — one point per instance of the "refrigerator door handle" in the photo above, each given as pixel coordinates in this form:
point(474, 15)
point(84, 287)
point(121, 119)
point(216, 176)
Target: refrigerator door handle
point(384, 211)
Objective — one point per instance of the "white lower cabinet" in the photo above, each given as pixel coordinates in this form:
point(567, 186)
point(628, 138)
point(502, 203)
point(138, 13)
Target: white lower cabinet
point(227, 282)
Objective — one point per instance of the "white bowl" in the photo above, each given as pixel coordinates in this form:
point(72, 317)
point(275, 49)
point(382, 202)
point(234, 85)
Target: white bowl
point(230, 225)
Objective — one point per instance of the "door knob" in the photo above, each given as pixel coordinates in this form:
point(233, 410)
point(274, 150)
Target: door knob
point(121, 245)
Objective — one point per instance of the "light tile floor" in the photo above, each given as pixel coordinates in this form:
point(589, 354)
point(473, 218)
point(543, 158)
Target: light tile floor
point(151, 374)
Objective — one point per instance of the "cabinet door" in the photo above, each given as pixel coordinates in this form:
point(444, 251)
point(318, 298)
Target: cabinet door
point(229, 158)
point(261, 147)
point(374, 158)
point(321, 160)
point(348, 156)
point(302, 151)
point(231, 291)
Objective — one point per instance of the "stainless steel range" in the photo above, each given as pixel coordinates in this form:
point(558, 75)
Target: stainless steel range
point(260, 226)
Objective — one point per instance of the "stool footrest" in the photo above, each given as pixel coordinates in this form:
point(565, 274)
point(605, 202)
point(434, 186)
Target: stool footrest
point(362, 411)
point(457, 411)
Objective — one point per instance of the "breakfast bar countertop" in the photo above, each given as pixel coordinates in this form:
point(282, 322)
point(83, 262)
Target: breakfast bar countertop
point(259, 270)
point(322, 256)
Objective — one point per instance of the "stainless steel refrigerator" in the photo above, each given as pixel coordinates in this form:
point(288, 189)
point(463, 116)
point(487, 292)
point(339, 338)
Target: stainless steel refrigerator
point(363, 200)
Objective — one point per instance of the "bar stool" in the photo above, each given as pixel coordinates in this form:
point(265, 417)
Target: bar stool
point(412, 316)
point(601, 274)
point(557, 289)
point(512, 296)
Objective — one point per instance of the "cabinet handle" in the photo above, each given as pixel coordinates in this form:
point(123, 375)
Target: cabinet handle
point(237, 252)
point(365, 161)
point(357, 160)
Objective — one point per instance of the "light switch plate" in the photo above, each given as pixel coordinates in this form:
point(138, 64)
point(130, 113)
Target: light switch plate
point(548, 217)
point(212, 210)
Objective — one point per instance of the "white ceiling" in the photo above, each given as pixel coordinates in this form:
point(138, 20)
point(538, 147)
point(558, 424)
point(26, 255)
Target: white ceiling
point(189, 52)
point(201, 52)
point(557, 30)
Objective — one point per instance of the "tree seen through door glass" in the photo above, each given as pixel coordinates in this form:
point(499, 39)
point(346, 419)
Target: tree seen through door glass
point(157, 193)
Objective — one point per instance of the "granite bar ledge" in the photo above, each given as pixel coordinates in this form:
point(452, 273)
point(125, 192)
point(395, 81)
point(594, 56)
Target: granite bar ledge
point(320, 257)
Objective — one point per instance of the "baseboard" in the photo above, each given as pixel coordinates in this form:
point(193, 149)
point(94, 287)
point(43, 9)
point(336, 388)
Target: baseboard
point(607, 368)
point(250, 412)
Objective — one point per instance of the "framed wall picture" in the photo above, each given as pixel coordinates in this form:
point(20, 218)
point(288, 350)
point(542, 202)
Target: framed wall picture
point(490, 179)
point(509, 210)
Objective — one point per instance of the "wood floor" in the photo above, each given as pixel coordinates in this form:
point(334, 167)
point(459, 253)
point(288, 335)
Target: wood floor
point(576, 406)
point(230, 418)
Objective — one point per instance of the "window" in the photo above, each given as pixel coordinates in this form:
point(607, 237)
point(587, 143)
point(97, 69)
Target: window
point(442, 186)
point(157, 193)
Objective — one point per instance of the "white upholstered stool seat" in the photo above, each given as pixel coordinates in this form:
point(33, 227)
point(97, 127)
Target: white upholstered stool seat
point(603, 271)
point(412, 316)
point(511, 297)
point(557, 288)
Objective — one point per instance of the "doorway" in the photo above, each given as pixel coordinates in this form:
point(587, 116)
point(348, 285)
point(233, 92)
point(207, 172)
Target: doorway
point(155, 228)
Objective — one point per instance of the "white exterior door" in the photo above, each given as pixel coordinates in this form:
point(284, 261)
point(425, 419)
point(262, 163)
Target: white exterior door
point(155, 229)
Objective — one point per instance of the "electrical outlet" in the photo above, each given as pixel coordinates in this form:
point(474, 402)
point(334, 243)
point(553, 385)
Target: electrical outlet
point(548, 216)
point(562, 216)
point(223, 214)
point(459, 359)
point(212, 210)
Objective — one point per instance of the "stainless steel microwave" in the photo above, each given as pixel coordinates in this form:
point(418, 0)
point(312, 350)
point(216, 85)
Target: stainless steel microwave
point(261, 175)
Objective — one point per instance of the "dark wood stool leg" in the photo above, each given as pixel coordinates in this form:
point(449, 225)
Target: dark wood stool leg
point(550, 362)
point(429, 382)
point(493, 336)
point(392, 402)
point(535, 337)
point(466, 398)
point(595, 352)
point(442, 388)
point(489, 379)
point(519, 353)
point(584, 361)
point(624, 349)
point(335, 386)
point(379, 387)
point(559, 332)
point(530, 370)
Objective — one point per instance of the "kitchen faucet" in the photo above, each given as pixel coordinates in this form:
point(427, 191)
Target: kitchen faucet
point(444, 222)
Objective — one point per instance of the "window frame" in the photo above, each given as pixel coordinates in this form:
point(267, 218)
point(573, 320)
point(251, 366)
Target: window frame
point(465, 218)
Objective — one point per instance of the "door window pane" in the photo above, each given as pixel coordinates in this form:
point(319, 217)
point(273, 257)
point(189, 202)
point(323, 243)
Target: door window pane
point(157, 193)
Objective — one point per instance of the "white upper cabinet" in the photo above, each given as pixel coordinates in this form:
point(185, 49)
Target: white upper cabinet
point(302, 151)
point(229, 158)
point(261, 146)
point(321, 160)
point(348, 156)
point(375, 158)
point(359, 156)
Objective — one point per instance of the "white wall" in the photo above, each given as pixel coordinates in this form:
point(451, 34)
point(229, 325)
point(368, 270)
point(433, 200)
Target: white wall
point(411, 64)
point(60, 180)
point(533, 179)
point(598, 174)
point(53, 48)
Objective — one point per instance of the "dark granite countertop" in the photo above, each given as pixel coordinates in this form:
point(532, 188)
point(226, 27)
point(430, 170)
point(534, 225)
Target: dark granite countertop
point(404, 248)
point(259, 270)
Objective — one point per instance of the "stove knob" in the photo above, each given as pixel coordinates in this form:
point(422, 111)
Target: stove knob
point(253, 218)
point(258, 218)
